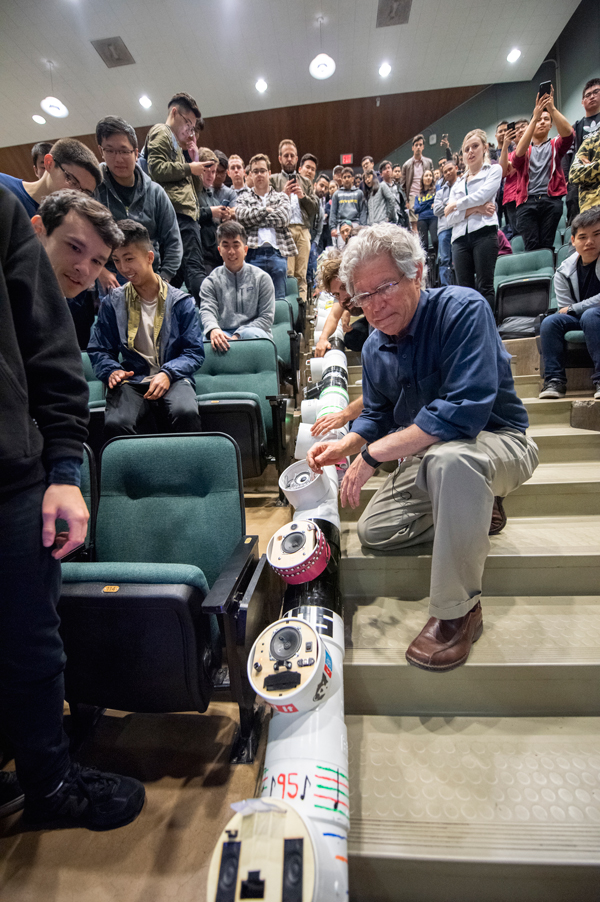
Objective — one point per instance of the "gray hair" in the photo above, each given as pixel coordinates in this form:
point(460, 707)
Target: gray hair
point(402, 245)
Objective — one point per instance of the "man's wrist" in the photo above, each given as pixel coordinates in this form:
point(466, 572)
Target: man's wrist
point(368, 458)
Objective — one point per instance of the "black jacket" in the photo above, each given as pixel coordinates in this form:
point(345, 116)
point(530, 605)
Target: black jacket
point(41, 373)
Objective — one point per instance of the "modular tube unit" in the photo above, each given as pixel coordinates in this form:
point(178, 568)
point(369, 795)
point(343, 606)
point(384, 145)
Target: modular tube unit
point(290, 843)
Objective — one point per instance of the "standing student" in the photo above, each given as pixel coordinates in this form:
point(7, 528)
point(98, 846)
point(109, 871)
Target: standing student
point(423, 207)
point(471, 214)
point(542, 184)
point(38, 153)
point(182, 182)
point(412, 173)
point(236, 173)
point(386, 173)
point(442, 199)
point(347, 204)
point(225, 195)
point(583, 128)
point(510, 175)
point(381, 204)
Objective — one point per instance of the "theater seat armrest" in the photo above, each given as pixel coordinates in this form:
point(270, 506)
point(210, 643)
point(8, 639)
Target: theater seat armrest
point(231, 582)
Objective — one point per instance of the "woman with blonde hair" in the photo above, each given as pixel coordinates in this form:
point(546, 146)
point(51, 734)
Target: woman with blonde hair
point(471, 212)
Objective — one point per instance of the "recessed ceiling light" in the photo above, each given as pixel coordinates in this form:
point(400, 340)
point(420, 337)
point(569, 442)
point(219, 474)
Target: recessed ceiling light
point(145, 102)
point(54, 107)
point(514, 55)
point(261, 85)
point(384, 70)
point(39, 119)
point(322, 66)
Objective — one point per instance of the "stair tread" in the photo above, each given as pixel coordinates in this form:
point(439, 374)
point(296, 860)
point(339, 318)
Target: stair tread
point(523, 537)
point(518, 630)
point(553, 429)
point(475, 789)
point(578, 471)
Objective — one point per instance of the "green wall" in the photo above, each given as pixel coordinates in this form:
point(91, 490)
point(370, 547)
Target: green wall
point(578, 56)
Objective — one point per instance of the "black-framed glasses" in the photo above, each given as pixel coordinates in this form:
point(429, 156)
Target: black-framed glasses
point(108, 152)
point(589, 94)
point(72, 181)
point(191, 125)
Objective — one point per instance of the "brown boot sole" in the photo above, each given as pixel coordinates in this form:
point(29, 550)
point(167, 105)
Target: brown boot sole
point(444, 668)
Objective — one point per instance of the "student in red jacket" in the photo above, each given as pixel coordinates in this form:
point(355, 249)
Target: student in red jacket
point(542, 183)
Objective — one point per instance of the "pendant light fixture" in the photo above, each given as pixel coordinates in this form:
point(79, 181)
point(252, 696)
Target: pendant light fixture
point(323, 66)
point(51, 104)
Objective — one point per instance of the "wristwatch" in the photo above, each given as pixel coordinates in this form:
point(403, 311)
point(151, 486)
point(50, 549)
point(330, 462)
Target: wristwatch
point(364, 452)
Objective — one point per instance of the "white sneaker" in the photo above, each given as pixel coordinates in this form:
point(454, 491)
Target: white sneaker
point(597, 392)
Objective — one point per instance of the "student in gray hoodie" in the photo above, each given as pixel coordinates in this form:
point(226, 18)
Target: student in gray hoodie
point(347, 203)
point(237, 299)
point(577, 289)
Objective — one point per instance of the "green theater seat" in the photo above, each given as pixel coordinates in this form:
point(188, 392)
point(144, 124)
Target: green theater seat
point(171, 571)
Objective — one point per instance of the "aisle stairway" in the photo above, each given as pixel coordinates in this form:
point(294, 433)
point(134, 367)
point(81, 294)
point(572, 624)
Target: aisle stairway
point(483, 784)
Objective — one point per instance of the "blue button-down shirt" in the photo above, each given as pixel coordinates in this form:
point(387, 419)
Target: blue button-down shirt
point(448, 373)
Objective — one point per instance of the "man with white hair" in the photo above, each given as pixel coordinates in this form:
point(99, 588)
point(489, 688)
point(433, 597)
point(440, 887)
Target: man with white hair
point(439, 396)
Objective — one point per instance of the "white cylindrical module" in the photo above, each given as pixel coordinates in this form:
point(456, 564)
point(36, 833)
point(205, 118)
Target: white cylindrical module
point(298, 552)
point(302, 487)
point(335, 358)
point(316, 368)
point(309, 410)
point(305, 440)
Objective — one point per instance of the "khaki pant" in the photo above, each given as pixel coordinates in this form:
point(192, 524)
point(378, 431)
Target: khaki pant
point(446, 496)
point(297, 266)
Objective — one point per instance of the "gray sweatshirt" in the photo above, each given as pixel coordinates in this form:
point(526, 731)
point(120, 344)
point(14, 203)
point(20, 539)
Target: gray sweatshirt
point(381, 205)
point(232, 300)
point(566, 286)
point(348, 205)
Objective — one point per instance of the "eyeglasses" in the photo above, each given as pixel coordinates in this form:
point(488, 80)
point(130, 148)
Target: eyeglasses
point(259, 171)
point(191, 125)
point(384, 293)
point(591, 94)
point(72, 181)
point(116, 153)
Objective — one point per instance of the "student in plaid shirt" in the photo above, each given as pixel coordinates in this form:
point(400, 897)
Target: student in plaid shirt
point(265, 214)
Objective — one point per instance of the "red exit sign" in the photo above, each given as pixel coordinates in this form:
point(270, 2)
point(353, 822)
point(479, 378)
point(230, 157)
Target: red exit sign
point(347, 159)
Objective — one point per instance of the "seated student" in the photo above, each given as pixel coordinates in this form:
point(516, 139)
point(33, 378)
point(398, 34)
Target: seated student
point(70, 164)
point(79, 235)
point(154, 328)
point(237, 299)
point(577, 288)
point(131, 194)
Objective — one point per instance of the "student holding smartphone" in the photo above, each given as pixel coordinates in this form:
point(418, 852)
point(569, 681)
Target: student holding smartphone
point(541, 180)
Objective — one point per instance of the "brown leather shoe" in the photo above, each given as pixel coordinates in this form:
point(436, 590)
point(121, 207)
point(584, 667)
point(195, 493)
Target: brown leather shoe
point(445, 644)
point(498, 517)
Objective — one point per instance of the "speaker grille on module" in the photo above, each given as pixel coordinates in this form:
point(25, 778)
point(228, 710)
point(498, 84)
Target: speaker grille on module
point(113, 52)
point(393, 12)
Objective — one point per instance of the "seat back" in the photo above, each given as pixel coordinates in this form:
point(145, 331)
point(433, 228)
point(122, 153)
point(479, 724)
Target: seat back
point(291, 286)
point(95, 386)
point(566, 239)
point(527, 298)
point(170, 499)
point(523, 266)
point(563, 252)
point(517, 244)
point(248, 366)
point(282, 325)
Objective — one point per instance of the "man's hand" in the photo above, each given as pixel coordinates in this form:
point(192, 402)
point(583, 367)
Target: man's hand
point(346, 324)
point(290, 188)
point(219, 340)
point(298, 190)
point(220, 213)
point(450, 208)
point(324, 454)
point(322, 347)
point(334, 233)
point(550, 101)
point(564, 310)
point(583, 159)
point(357, 474)
point(509, 136)
point(118, 376)
point(107, 280)
point(327, 423)
point(541, 104)
point(444, 142)
point(63, 502)
point(159, 385)
point(198, 168)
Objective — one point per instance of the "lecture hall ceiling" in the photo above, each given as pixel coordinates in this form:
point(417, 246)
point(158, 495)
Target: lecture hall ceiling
point(218, 49)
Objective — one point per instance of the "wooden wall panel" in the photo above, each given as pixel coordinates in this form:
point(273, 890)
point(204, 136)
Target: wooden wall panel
point(325, 129)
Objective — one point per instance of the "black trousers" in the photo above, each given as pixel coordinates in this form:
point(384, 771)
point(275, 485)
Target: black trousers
point(510, 211)
point(537, 220)
point(32, 658)
point(427, 227)
point(192, 270)
point(129, 413)
point(474, 258)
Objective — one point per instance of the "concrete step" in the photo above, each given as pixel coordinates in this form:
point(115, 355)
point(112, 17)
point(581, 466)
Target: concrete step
point(564, 444)
point(467, 810)
point(554, 489)
point(538, 656)
point(532, 556)
point(548, 412)
point(527, 386)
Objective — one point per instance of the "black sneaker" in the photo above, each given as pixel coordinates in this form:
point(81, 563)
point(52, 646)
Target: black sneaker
point(553, 388)
point(11, 794)
point(87, 798)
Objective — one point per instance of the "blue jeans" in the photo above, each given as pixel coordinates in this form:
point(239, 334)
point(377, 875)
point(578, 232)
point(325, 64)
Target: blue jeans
point(312, 263)
point(270, 260)
point(445, 257)
point(552, 335)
